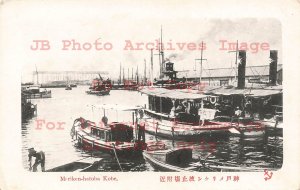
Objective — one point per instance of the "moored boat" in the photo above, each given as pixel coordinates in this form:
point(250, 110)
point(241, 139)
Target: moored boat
point(34, 92)
point(179, 115)
point(181, 160)
point(117, 138)
point(164, 159)
point(82, 165)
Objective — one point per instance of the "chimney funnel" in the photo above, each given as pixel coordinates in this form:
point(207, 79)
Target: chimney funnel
point(241, 69)
point(273, 67)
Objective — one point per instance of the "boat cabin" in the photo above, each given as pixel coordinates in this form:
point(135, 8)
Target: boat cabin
point(258, 103)
point(179, 105)
point(113, 132)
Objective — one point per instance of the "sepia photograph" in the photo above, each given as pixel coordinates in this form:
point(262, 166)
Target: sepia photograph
point(149, 94)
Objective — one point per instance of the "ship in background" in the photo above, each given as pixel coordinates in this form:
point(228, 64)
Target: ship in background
point(100, 86)
point(167, 74)
point(127, 84)
point(34, 91)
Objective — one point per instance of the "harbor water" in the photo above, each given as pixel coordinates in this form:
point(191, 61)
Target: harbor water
point(49, 131)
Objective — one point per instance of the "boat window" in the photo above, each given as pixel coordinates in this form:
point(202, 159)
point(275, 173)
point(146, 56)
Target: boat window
point(108, 136)
point(101, 135)
point(121, 132)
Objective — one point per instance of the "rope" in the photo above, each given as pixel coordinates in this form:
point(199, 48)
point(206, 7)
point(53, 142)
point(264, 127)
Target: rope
point(114, 148)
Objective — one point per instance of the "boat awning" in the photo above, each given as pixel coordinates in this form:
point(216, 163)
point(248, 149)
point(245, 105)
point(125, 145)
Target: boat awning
point(247, 92)
point(172, 94)
point(116, 107)
point(229, 91)
point(262, 92)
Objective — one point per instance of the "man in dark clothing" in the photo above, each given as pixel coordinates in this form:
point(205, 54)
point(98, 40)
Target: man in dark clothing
point(104, 120)
point(39, 159)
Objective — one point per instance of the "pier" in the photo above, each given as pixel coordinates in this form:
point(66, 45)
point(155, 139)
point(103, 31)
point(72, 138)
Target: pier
point(44, 77)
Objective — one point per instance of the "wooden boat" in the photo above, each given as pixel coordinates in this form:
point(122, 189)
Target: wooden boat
point(163, 119)
point(255, 104)
point(34, 92)
point(163, 159)
point(82, 165)
point(100, 87)
point(116, 138)
point(68, 87)
point(181, 160)
point(99, 92)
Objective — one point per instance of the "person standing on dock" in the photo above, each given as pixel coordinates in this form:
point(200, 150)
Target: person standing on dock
point(39, 159)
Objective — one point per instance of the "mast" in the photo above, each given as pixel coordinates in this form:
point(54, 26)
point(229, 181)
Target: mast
point(151, 66)
point(162, 50)
point(236, 58)
point(37, 75)
point(200, 78)
point(145, 75)
point(128, 74)
point(120, 76)
point(201, 59)
point(132, 73)
point(160, 64)
point(137, 74)
point(123, 75)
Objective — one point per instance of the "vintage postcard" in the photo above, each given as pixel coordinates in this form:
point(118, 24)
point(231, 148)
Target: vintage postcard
point(185, 94)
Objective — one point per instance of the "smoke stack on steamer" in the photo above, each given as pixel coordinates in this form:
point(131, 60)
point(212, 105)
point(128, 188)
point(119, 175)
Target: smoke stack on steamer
point(241, 69)
point(273, 67)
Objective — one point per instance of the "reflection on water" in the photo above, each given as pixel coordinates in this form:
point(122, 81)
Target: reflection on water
point(65, 106)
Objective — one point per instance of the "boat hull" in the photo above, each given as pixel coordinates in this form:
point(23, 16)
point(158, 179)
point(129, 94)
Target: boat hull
point(274, 129)
point(99, 93)
point(90, 143)
point(179, 131)
point(160, 166)
point(246, 130)
point(39, 95)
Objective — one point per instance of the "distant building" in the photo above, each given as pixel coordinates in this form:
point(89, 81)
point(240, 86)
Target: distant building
point(226, 76)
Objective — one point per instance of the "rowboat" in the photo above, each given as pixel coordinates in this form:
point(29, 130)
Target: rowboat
point(163, 159)
point(181, 160)
point(82, 165)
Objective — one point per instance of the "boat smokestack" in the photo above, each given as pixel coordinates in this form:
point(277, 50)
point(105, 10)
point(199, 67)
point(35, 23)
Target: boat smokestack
point(273, 67)
point(241, 69)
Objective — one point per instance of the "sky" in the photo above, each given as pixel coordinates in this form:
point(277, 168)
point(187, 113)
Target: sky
point(116, 24)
